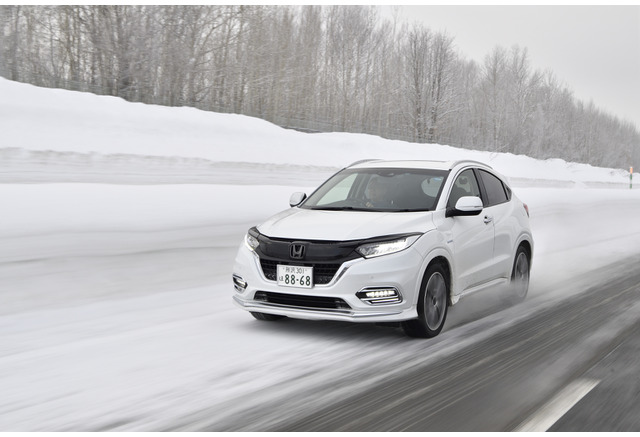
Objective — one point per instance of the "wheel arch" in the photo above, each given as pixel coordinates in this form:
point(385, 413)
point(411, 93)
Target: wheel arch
point(443, 261)
point(528, 246)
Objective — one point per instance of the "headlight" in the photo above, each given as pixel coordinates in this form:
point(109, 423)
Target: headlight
point(251, 240)
point(386, 247)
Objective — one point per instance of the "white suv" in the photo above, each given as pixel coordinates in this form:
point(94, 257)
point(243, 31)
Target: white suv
point(387, 241)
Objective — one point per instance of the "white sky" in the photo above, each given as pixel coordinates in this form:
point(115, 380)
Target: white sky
point(593, 50)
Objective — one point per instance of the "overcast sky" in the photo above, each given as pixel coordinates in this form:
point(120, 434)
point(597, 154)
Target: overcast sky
point(593, 50)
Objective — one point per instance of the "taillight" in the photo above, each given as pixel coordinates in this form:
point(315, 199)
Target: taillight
point(526, 208)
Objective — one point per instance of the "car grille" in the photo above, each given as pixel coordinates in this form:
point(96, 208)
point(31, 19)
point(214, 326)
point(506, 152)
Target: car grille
point(322, 273)
point(300, 301)
point(325, 257)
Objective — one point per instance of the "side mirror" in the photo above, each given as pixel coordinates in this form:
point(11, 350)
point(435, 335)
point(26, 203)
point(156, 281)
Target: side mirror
point(296, 199)
point(466, 206)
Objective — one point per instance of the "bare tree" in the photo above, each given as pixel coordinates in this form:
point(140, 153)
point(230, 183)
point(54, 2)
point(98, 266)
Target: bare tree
point(494, 97)
point(321, 68)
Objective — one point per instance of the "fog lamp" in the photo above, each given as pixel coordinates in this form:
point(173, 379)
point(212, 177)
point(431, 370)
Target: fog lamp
point(379, 295)
point(239, 284)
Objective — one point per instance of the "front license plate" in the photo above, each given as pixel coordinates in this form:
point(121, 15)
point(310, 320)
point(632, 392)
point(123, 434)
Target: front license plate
point(295, 276)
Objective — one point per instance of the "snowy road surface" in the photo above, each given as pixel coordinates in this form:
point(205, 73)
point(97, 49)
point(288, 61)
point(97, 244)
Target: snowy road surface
point(117, 311)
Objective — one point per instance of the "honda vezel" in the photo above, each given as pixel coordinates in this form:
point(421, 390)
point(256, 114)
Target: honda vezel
point(387, 241)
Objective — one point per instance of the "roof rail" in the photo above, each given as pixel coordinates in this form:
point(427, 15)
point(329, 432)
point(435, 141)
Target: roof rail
point(362, 161)
point(451, 163)
point(469, 161)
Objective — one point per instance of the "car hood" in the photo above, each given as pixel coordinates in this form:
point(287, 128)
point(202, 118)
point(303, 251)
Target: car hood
point(306, 224)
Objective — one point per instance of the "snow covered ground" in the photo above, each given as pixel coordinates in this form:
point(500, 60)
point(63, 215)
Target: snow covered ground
point(118, 229)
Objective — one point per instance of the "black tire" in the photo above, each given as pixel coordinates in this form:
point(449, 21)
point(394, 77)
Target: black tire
point(267, 317)
point(520, 276)
point(432, 304)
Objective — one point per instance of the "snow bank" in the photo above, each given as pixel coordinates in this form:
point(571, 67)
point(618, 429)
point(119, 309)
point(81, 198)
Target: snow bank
point(40, 119)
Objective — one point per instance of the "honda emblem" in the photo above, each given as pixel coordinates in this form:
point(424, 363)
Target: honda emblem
point(296, 251)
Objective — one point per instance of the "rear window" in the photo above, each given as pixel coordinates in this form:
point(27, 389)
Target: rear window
point(496, 192)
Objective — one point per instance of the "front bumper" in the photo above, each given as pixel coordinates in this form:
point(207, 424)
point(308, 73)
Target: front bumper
point(399, 271)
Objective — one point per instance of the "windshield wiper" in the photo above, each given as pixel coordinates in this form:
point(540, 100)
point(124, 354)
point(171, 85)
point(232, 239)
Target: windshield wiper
point(337, 208)
point(407, 210)
point(351, 208)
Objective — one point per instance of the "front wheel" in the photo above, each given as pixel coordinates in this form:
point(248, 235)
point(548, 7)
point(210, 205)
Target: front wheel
point(520, 276)
point(432, 305)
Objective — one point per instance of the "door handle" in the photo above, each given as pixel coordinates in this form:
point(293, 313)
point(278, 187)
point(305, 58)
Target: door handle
point(487, 219)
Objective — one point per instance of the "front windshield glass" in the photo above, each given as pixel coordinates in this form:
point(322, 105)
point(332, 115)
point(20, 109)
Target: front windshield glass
point(379, 189)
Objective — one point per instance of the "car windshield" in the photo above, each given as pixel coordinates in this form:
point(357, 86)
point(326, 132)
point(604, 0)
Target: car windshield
point(379, 189)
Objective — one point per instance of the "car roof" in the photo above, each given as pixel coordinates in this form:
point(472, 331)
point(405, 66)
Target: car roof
point(435, 165)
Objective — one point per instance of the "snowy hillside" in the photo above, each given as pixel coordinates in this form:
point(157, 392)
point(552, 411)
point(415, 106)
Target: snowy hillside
point(57, 131)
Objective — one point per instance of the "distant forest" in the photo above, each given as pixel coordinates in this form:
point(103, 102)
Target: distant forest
point(313, 68)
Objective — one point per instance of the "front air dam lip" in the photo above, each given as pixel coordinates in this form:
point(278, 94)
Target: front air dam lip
point(379, 314)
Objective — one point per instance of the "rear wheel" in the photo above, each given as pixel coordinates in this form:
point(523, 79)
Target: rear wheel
point(267, 317)
point(520, 275)
point(432, 304)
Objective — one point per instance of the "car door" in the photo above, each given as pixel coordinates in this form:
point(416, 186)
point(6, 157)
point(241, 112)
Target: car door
point(471, 238)
point(499, 208)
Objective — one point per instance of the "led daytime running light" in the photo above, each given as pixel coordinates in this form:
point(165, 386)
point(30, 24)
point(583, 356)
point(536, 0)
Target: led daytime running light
point(381, 293)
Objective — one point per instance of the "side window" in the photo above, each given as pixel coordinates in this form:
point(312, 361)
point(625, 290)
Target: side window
point(496, 191)
point(508, 190)
point(464, 185)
